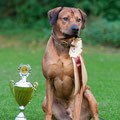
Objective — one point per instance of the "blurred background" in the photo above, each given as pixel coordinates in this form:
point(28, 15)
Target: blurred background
point(24, 32)
point(18, 17)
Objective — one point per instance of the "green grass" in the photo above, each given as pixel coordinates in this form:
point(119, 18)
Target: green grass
point(10, 58)
point(103, 66)
point(24, 35)
point(104, 81)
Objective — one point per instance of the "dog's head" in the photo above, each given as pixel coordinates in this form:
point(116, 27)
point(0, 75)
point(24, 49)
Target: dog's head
point(67, 20)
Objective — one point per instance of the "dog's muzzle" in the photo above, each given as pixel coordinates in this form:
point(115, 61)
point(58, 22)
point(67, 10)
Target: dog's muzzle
point(74, 32)
point(75, 29)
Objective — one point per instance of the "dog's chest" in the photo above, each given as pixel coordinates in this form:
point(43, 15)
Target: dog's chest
point(61, 71)
point(60, 67)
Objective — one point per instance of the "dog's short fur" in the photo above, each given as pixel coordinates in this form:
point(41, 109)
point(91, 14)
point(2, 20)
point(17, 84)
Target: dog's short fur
point(60, 102)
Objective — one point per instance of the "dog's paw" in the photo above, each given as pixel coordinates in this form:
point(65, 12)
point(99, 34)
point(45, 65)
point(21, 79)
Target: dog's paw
point(48, 117)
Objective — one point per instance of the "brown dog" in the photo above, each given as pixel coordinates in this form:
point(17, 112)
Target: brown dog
point(60, 102)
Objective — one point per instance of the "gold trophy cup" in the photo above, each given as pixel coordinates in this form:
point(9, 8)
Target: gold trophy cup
point(23, 90)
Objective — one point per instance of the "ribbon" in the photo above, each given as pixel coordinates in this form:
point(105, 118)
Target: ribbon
point(80, 73)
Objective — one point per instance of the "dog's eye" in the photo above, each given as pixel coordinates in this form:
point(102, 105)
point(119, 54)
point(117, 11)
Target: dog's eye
point(66, 18)
point(78, 20)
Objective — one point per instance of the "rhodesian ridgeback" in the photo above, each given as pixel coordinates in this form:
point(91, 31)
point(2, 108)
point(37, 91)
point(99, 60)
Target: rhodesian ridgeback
point(60, 103)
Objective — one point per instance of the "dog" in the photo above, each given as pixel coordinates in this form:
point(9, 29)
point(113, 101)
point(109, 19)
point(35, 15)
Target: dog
point(60, 103)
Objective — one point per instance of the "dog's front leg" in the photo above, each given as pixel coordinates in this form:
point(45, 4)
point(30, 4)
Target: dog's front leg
point(92, 103)
point(49, 97)
point(77, 105)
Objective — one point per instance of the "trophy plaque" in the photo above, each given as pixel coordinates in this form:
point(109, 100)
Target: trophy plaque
point(23, 90)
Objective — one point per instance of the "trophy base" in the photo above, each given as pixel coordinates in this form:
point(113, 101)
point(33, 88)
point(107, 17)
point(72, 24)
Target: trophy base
point(21, 116)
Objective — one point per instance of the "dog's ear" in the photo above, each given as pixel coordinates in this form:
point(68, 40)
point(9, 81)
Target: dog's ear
point(53, 15)
point(83, 18)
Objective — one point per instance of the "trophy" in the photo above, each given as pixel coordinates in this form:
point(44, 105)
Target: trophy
point(23, 90)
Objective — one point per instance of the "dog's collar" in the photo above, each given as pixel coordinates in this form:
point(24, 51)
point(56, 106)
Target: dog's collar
point(61, 42)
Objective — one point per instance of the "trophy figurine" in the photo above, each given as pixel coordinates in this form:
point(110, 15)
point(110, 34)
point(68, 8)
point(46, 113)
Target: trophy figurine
point(23, 90)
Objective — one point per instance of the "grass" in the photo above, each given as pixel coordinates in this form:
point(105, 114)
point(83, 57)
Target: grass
point(103, 72)
point(104, 81)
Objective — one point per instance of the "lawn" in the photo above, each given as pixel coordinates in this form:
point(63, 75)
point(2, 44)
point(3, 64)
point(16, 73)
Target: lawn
point(103, 66)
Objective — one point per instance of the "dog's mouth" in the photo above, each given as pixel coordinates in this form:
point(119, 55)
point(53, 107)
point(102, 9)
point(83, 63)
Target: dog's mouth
point(70, 35)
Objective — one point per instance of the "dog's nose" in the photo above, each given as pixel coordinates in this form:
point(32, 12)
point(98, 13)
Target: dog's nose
point(75, 29)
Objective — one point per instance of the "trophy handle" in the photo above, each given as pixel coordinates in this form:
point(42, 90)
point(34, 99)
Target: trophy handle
point(35, 87)
point(11, 84)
